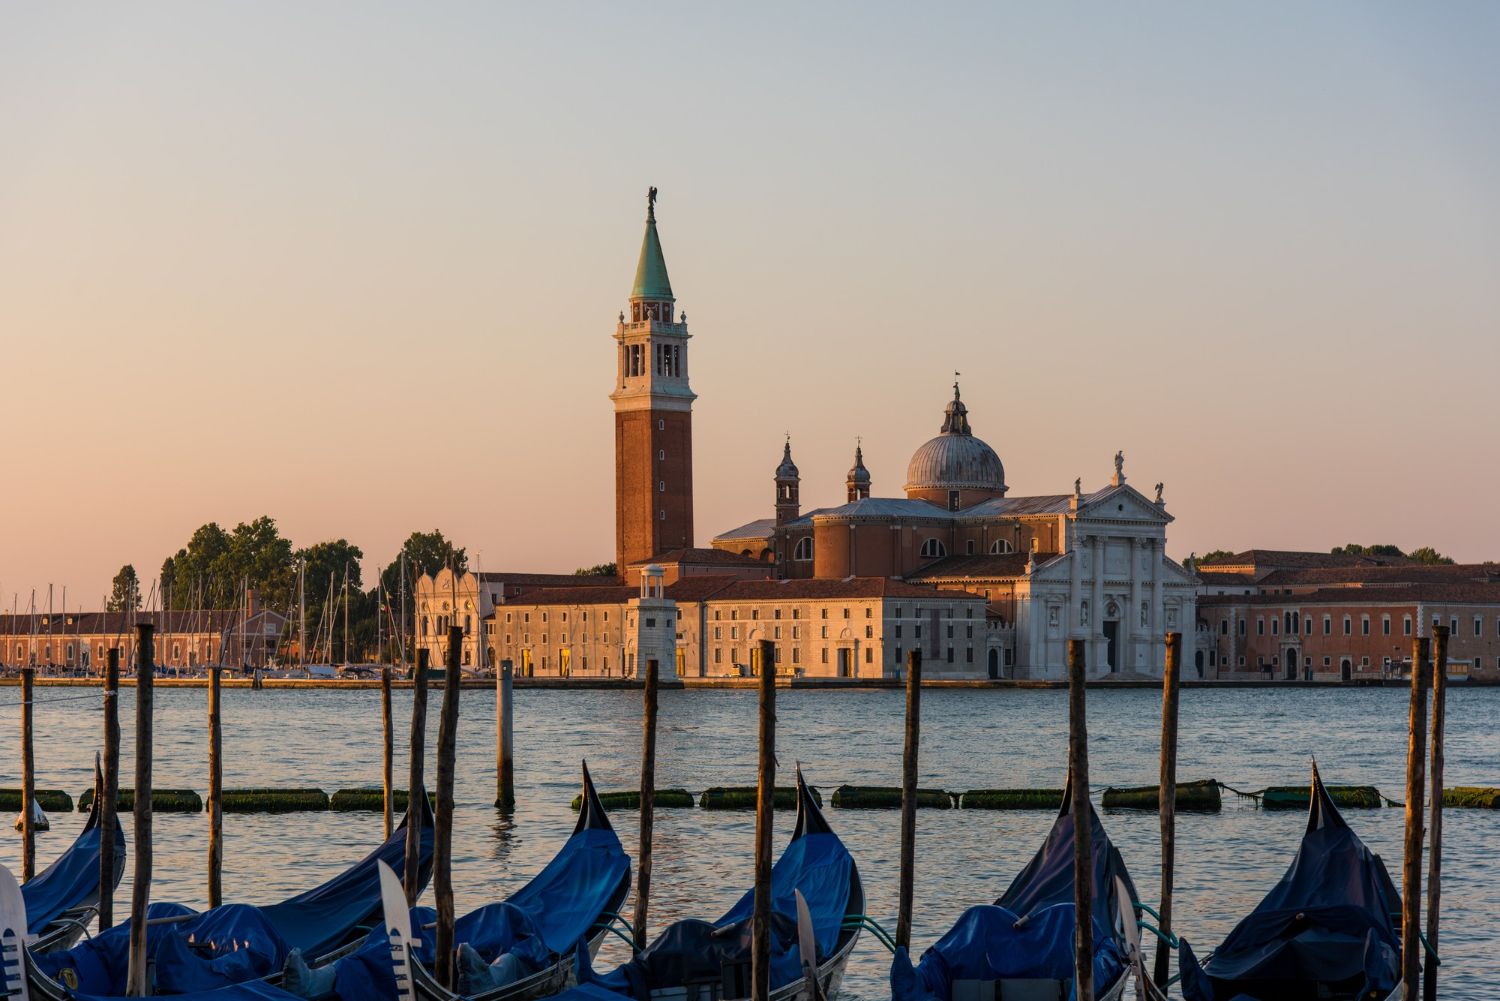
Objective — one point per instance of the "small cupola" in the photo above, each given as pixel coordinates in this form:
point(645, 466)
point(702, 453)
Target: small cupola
point(858, 481)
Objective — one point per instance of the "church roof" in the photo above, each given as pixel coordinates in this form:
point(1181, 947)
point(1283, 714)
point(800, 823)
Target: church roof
point(700, 557)
point(651, 280)
point(997, 565)
point(760, 528)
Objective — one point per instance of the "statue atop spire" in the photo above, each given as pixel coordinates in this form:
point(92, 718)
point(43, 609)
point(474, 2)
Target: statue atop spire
point(651, 282)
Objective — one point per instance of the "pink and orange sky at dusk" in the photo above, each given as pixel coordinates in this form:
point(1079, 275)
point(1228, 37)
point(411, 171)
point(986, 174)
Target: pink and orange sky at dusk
point(357, 266)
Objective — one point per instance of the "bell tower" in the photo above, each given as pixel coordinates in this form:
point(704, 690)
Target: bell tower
point(653, 414)
point(788, 486)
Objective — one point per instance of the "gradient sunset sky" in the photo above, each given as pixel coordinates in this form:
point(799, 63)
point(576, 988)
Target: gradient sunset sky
point(356, 266)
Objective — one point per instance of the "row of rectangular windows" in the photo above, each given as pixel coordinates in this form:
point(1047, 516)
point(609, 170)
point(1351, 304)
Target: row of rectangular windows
point(1292, 625)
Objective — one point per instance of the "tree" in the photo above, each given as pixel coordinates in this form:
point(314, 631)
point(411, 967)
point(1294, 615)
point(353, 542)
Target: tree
point(126, 596)
point(426, 553)
point(325, 565)
point(215, 566)
point(1217, 554)
point(1429, 556)
point(598, 570)
point(1354, 549)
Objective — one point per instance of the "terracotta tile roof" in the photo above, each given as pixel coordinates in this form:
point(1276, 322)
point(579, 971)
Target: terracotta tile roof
point(998, 565)
point(1410, 573)
point(525, 580)
point(1278, 559)
point(1401, 594)
point(815, 589)
point(685, 589)
point(120, 623)
point(1235, 579)
point(701, 557)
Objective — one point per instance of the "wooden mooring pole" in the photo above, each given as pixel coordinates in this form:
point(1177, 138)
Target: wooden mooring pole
point(505, 768)
point(1171, 677)
point(28, 779)
point(109, 792)
point(415, 783)
point(909, 796)
point(765, 805)
point(1411, 864)
point(442, 855)
point(215, 791)
point(388, 749)
point(648, 805)
point(1083, 848)
point(1435, 824)
point(136, 981)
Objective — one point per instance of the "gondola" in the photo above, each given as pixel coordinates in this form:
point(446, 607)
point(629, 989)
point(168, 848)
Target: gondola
point(1022, 945)
point(1330, 929)
point(711, 959)
point(63, 898)
point(216, 952)
point(537, 929)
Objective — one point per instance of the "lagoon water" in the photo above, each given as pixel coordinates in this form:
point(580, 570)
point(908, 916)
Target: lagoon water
point(1249, 738)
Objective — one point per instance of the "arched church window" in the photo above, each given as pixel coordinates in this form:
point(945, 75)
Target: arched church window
point(1000, 547)
point(933, 548)
point(803, 551)
point(662, 455)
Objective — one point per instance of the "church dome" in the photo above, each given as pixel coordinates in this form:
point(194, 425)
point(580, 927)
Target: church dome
point(955, 459)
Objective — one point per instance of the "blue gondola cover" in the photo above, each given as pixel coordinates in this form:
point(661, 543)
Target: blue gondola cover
point(1028, 932)
point(694, 951)
point(1332, 919)
point(543, 920)
point(72, 880)
point(237, 943)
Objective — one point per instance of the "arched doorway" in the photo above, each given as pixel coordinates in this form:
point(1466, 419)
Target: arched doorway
point(1346, 670)
point(1291, 664)
point(994, 663)
point(1198, 662)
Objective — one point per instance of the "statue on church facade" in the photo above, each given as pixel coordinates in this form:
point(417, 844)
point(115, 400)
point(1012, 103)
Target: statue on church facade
point(1119, 463)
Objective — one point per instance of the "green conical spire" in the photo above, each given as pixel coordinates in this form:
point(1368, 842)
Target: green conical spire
point(651, 280)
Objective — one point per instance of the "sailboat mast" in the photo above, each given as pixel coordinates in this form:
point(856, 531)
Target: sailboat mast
point(302, 614)
point(346, 614)
point(403, 610)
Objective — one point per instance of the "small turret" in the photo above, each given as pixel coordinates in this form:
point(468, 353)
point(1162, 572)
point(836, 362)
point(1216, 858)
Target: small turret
point(858, 480)
point(788, 486)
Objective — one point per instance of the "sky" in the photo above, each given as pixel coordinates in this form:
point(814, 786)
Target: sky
point(356, 266)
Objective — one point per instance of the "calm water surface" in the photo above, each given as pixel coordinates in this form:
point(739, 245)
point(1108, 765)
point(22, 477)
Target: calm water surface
point(971, 739)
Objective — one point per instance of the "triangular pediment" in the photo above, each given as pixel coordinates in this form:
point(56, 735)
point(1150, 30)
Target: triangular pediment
point(1123, 503)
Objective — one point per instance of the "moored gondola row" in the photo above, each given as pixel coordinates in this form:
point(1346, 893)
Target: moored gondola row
point(1331, 928)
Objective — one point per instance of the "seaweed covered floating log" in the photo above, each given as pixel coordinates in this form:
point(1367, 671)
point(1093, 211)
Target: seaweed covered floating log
point(1467, 797)
point(1201, 797)
point(274, 800)
point(743, 798)
point(51, 800)
point(1298, 797)
point(888, 798)
point(630, 799)
point(1011, 799)
point(162, 801)
point(371, 798)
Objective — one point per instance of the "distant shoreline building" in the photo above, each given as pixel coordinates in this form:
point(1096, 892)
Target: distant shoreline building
point(1273, 615)
point(984, 584)
point(79, 642)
